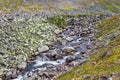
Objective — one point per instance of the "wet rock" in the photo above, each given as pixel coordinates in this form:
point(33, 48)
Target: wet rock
point(58, 57)
point(69, 39)
point(78, 55)
point(22, 65)
point(70, 59)
point(68, 49)
point(83, 35)
point(43, 49)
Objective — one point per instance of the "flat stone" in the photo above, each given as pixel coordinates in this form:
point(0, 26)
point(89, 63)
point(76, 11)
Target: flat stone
point(43, 49)
point(30, 78)
point(69, 39)
point(68, 49)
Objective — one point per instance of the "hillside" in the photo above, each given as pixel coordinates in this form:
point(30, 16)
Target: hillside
point(59, 39)
point(59, 6)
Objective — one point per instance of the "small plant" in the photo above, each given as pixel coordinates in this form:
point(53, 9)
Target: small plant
point(60, 22)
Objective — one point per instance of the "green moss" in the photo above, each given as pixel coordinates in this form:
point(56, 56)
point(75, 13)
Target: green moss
point(60, 22)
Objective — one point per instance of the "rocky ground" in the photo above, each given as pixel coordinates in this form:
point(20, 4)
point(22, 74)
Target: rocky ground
point(73, 46)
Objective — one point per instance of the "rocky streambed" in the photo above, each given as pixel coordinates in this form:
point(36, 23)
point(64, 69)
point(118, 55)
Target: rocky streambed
point(72, 47)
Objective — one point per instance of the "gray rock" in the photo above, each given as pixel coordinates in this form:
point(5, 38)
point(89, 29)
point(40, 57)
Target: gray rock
point(30, 78)
point(43, 49)
point(14, 74)
point(2, 53)
point(72, 33)
point(9, 74)
point(22, 65)
point(57, 31)
point(68, 49)
point(78, 55)
point(69, 39)
point(46, 75)
point(86, 76)
point(70, 59)
point(53, 53)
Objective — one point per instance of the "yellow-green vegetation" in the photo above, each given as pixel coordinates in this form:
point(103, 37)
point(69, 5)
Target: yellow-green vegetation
point(8, 6)
point(111, 5)
point(105, 61)
point(68, 6)
point(109, 25)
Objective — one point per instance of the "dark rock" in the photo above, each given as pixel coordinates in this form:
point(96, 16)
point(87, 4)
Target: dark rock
point(46, 75)
point(83, 35)
point(104, 78)
point(2, 53)
point(10, 18)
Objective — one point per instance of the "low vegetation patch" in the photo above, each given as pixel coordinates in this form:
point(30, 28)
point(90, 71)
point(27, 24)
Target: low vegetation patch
point(60, 22)
point(109, 25)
